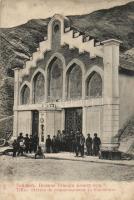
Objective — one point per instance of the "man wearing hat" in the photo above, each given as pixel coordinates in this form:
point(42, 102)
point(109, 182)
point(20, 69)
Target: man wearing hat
point(48, 144)
point(89, 145)
point(96, 144)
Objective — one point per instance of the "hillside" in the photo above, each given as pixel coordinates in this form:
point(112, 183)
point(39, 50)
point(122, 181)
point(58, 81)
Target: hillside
point(117, 22)
point(18, 43)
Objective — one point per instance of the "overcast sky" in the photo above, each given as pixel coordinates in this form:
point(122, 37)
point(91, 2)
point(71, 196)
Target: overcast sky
point(15, 12)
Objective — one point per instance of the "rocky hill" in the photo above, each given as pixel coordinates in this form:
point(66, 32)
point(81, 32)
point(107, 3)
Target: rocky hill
point(18, 43)
point(126, 137)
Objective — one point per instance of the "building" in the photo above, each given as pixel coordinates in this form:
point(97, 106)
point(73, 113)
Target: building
point(72, 82)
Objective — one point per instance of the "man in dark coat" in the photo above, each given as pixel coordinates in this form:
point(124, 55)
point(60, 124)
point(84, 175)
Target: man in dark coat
point(77, 143)
point(96, 144)
point(54, 144)
point(89, 145)
point(31, 146)
point(82, 142)
point(15, 147)
point(71, 142)
point(35, 142)
point(20, 137)
point(58, 142)
point(21, 145)
point(27, 142)
point(48, 144)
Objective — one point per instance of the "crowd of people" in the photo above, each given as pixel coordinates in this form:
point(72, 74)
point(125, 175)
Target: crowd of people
point(72, 142)
point(25, 144)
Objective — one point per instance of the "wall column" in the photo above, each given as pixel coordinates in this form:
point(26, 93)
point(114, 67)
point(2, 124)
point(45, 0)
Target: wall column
point(16, 101)
point(46, 86)
point(84, 121)
point(111, 91)
point(83, 87)
point(64, 86)
point(62, 119)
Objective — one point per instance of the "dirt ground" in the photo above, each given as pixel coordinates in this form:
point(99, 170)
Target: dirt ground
point(21, 168)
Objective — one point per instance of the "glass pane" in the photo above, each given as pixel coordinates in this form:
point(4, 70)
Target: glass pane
point(55, 79)
point(75, 82)
point(94, 86)
point(25, 95)
point(39, 89)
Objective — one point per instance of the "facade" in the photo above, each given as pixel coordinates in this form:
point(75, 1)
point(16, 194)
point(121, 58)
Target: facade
point(73, 83)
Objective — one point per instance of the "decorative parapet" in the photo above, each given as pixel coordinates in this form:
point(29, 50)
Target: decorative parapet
point(73, 38)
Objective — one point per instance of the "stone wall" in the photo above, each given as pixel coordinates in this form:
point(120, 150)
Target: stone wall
point(94, 120)
point(24, 122)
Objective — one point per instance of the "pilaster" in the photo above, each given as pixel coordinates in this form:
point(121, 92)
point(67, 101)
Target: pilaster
point(83, 87)
point(46, 87)
point(16, 87)
point(16, 101)
point(111, 91)
point(64, 86)
point(62, 119)
point(84, 121)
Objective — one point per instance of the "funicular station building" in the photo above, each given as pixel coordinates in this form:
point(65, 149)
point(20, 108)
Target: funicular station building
point(70, 83)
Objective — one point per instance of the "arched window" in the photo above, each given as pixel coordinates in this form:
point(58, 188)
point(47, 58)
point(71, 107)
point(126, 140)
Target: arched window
point(74, 82)
point(25, 95)
point(55, 79)
point(56, 34)
point(94, 85)
point(39, 88)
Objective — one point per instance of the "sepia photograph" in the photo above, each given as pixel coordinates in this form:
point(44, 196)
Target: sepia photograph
point(66, 99)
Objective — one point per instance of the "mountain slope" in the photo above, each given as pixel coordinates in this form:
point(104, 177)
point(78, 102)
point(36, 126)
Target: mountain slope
point(117, 22)
point(18, 43)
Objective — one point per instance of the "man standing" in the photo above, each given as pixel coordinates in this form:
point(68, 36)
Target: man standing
point(27, 141)
point(89, 145)
point(77, 143)
point(21, 145)
point(48, 144)
point(15, 148)
point(31, 146)
point(20, 137)
point(82, 142)
point(35, 142)
point(96, 144)
point(54, 150)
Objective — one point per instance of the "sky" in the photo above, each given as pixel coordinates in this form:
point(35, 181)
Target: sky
point(16, 12)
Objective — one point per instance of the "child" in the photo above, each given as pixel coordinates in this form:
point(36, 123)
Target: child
point(39, 153)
